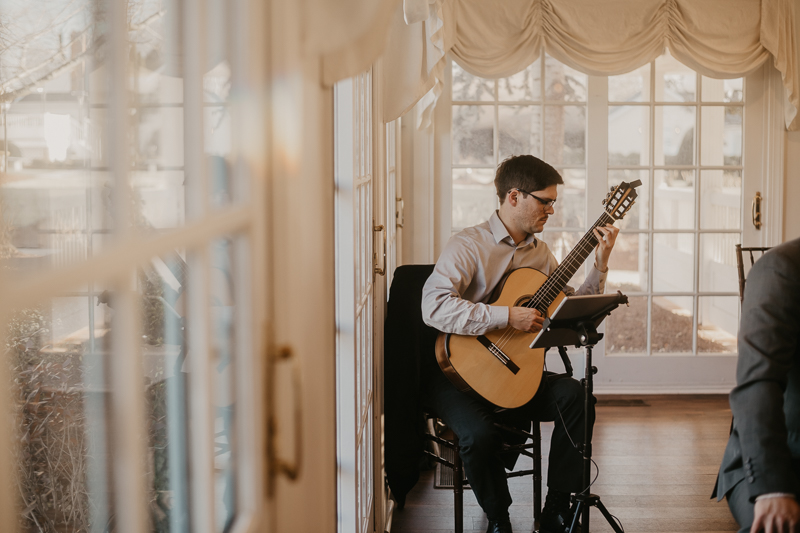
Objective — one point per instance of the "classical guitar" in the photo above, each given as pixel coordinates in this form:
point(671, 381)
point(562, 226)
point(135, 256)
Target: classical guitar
point(499, 366)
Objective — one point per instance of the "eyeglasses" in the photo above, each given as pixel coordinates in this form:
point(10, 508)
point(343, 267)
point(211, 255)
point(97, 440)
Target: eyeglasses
point(548, 203)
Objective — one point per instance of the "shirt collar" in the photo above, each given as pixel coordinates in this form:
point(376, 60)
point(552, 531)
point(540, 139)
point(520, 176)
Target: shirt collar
point(500, 233)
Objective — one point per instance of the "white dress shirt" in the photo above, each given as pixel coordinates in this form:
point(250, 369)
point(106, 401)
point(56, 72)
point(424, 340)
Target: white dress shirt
point(472, 264)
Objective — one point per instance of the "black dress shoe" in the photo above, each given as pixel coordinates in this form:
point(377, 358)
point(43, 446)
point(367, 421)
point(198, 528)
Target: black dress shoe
point(557, 522)
point(499, 526)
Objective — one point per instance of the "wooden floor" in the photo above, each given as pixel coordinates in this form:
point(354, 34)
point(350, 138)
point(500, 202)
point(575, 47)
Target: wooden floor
point(657, 466)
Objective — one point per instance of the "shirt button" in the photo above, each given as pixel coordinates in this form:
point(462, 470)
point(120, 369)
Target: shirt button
point(751, 479)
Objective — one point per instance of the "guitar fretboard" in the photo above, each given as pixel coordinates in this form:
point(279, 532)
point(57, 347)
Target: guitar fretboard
point(558, 279)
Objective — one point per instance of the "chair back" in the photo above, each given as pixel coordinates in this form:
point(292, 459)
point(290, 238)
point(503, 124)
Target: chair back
point(754, 253)
point(408, 348)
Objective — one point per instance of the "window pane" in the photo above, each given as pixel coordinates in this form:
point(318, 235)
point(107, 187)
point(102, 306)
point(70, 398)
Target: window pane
point(628, 135)
point(519, 129)
point(626, 328)
point(722, 135)
point(675, 127)
point(671, 324)
point(720, 199)
point(675, 82)
point(638, 215)
point(562, 243)
point(58, 359)
point(631, 87)
point(224, 322)
point(565, 135)
point(563, 83)
point(722, 90)
point(162, 285)
point(525, 85)
point(474, 198)
point(674, 199)
point(673, 262)
point(718, 262)
point(473, 134)
point(717, 324)
point(469, 87)
point(571, 206)
point(627, 266)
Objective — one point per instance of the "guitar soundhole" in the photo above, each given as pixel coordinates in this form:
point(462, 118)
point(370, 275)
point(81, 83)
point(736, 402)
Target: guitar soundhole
point(524, 301)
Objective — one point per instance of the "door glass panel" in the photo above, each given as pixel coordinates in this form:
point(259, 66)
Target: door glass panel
point(722, 135)
point(673, 262)
point(671, 324)
point(519, 130)
point(720, 199)
point(223, 362)
point(722, 90)
point(675, 82)
point(473, 134)
point(673, 199)
point(638, 216)
point(474, 197)
point(718, 271)
point(563, 83)
point(626, 328)
point(628, 265)
point(57, 353)
point(674, 127)
point(562, 243)
point(565, 135)
point(467, 87)
point(717, 324)
point(570, 209)
point(631, 87)
point(628, 135)
point(525, 85)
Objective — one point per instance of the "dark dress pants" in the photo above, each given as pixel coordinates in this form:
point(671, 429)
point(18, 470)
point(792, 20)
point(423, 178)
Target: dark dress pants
point(473, 419)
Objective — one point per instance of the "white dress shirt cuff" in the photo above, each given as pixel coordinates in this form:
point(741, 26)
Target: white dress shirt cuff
point(498, 316)
point(770, 495)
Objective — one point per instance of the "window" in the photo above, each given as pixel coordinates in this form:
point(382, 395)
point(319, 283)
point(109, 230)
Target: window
point(680, 133)
point(128, 235)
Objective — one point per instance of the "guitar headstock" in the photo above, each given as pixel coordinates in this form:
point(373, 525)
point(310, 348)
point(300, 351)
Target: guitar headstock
point(621, 198)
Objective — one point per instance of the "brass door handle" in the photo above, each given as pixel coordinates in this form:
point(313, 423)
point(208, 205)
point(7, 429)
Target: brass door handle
point(291, 469)
point(755, 210)
point(399, 214)
point(380, 271)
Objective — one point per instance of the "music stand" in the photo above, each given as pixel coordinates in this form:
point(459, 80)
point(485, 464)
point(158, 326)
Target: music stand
point(575, 322)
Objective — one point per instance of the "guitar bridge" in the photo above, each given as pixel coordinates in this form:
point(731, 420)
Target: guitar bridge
point(498, 353)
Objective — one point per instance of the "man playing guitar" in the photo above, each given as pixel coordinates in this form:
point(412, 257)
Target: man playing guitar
point(455, 300)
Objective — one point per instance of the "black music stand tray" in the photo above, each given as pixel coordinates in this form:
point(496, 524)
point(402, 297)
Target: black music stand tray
point(574, 323)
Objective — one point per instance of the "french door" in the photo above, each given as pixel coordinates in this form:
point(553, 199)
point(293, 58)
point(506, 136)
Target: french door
point(355, 293)
point(701, 147)
point(133, 266)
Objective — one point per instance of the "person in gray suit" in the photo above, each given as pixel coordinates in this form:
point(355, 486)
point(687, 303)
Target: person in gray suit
point(760, 471)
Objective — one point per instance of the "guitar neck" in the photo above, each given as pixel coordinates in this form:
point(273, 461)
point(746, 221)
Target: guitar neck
point(548, 292)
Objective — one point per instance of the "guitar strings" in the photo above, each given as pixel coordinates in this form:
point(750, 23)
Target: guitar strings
point(550, 288)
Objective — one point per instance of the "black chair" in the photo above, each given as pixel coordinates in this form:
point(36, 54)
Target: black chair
point(408, 353)
point(758, 251)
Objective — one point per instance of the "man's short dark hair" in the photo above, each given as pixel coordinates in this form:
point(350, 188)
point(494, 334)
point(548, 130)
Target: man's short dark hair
point(526, 173)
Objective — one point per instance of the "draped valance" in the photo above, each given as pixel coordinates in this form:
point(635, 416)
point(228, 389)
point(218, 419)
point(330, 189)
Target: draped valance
point(717, 38)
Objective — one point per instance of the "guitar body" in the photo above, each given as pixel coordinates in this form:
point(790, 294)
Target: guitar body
point(474, 369)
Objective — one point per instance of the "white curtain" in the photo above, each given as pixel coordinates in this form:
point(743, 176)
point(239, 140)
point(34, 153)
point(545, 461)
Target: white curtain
point(717, 38)
point(348, 35)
